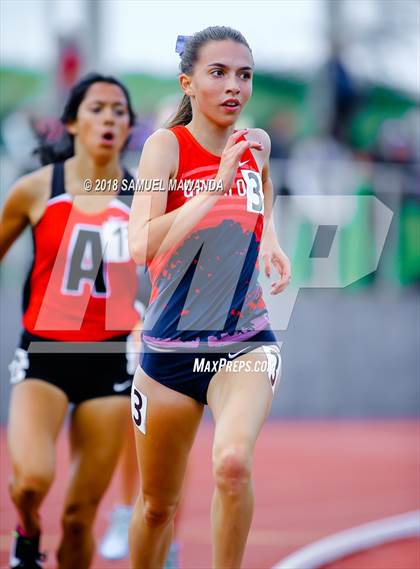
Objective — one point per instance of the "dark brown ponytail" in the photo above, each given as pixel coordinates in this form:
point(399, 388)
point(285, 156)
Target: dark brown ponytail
point(183, 113)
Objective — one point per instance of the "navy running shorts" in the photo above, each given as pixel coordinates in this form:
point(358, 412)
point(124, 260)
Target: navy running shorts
point(190, 371)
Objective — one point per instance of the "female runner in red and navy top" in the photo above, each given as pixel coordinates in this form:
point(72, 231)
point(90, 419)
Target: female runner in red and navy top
point(206, 334)
point(81, 289)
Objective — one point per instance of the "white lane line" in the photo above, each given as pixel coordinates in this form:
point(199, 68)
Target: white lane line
point(350, 541)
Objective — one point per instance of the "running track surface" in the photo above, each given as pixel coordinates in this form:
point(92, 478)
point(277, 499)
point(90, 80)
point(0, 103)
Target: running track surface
point(311, 479)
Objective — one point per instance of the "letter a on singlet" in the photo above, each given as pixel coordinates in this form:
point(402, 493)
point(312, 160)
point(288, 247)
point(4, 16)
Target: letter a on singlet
point(84, 263)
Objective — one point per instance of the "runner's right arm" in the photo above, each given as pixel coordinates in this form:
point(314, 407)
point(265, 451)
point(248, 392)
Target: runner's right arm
point(150, 229)
point(24, 205)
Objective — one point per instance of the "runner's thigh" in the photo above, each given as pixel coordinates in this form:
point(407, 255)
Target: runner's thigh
point(165, 424)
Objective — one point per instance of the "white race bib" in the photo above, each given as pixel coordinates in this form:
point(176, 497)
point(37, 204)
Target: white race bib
point(115, 241)
point(254, 191)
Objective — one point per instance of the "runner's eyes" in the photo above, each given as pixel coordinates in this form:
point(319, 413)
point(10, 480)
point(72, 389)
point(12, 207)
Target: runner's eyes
point(119, 111)
point(245, 75)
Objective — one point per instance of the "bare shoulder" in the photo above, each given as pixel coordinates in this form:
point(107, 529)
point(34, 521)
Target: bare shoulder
point(35, 183)
point(25, 204)
point(30, 193)
point(162, 138)
point(261, 157)
point(260, 135)
point(160, 153)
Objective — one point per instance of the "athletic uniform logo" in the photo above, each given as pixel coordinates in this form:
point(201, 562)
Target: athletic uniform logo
point(274, 364)
point(119, 387)
point(234, 354)
point(18, 366)
point(131, 354)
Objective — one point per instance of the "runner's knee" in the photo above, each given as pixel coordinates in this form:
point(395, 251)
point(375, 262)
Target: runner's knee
point(78, 518)
point(30, 485)
point(157, 513)
point(232, 469)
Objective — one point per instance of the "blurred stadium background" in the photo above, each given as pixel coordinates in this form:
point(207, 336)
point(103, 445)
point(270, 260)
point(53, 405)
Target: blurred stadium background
point(337, 86)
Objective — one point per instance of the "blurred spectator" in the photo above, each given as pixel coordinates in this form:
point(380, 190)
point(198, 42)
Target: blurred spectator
point(19, 141)
point(335, 96)
point(282, 131)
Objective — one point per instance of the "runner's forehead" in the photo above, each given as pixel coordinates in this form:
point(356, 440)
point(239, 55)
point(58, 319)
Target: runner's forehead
point(227, 53)
point(105, 93)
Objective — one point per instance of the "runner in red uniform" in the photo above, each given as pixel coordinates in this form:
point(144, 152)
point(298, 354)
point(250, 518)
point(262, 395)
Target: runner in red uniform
point(81, 288)
point(206, 334)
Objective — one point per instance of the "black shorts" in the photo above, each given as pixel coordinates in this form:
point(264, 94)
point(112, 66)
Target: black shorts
point(83, 375)
point(190, 371)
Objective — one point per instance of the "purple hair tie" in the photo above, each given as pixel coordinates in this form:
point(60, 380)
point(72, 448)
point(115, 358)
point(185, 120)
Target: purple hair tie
point(180, 44)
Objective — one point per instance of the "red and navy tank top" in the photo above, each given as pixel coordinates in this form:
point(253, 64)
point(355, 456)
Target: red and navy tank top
point(82, 284)
point(205, 289)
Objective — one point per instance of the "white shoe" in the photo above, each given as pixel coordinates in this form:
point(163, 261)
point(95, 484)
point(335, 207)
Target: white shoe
point(114, 544)
point(172, 561)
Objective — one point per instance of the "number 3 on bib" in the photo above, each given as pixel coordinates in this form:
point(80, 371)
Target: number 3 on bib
point(139, 409)
point(254, 191)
